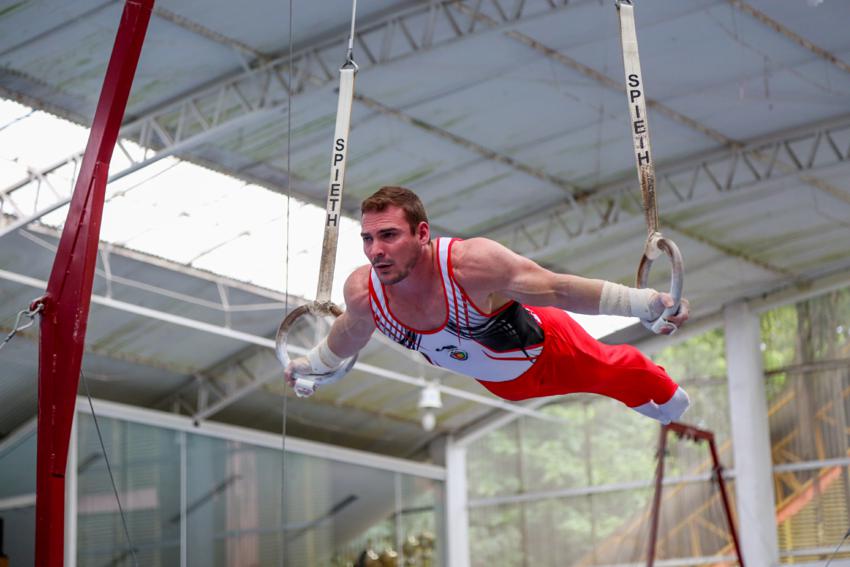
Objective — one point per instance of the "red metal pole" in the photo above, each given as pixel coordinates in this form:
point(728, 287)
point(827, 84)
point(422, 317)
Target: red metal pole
point(721, 484)
point(656, 501)
point(66, 302)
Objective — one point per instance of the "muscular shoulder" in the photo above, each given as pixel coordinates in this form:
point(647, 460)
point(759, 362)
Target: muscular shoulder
point(356, 291)
point(481, 263)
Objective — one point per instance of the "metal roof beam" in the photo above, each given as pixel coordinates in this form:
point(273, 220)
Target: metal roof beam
point(275, 297)
point(249, 338)
point(212, 35)
point(236, 395)
point(730, 144)
point(597, 76)
point(106, 251)
point(208, 112)
point(171, 145)
point(787, 32)
point(567, 187)
point(268, 85)
point(700, 180)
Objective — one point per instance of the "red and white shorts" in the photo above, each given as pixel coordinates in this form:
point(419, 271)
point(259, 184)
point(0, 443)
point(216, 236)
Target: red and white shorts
point(572, 361)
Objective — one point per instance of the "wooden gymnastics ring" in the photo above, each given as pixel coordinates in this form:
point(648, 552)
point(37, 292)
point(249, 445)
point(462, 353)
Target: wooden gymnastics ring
point(306, 385)
point(656, 244)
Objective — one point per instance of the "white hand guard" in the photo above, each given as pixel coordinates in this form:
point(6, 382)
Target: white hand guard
point(323, 360)
point(626, 301)
point(322, 363)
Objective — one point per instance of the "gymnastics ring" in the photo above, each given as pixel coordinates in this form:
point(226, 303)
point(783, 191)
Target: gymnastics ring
point(657, 244)
point(306, 385)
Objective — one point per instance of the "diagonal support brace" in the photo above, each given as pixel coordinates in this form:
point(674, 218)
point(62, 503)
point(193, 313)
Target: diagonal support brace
point(68, 297)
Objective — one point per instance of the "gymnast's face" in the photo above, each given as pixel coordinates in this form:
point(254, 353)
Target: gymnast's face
point(391, 247)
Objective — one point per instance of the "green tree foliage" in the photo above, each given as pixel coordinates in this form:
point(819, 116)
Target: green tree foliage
point(700, 357)
point(604, 443)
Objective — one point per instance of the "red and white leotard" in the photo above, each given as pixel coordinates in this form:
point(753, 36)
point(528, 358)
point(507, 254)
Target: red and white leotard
point(493, 347)
point(519, 352)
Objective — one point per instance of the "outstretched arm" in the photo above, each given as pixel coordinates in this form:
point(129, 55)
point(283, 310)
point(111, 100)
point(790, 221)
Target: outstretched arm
point(485, 265)
point(349, 333)
point(352, 330)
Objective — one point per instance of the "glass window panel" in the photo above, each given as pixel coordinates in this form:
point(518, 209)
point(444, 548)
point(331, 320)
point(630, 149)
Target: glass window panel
point(145, 462)
point(419, 521)
point(335, 512)
point(806, 353)
point(496, 535)
point(811, 331)
point(19, 535)
point(693, 522)
point(618, 528)
point(557, 532)
point(17, 466)
point(493, 463)
point(811, 509)
point(17, 479)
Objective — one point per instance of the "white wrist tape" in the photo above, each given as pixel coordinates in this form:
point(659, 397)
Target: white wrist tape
point(626, 301)
point(323, 360)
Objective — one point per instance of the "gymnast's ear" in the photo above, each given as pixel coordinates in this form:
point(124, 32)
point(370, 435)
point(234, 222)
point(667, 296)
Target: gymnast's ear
point(423, 232)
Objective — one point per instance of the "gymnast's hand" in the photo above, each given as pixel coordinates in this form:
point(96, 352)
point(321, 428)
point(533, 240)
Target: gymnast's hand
point(300, 367)
point(296, 368)
point(661, 301)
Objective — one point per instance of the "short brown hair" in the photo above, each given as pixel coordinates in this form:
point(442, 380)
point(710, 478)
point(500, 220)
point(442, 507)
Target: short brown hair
point(405, 199)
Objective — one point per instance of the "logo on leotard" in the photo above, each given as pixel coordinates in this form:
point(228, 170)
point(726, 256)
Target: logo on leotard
point(455, 352)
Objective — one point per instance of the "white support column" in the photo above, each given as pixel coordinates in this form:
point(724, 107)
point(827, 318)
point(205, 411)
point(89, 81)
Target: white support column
point(457, 511)
point(184, 500)
point(71, 498)
point(756, 505)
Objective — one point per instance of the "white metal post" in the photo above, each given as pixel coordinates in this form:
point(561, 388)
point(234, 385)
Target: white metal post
point(71, 497)
point(756, 505)
point(457, 511)
point(184, 487)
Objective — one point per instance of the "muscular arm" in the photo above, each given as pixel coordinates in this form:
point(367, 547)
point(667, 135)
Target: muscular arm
point(349, 333)
point(352, 330)
point(485, 267)
point(488, 267)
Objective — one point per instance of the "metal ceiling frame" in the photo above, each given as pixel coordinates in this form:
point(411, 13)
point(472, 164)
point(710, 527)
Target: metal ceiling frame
point(788, 33)
point(237, 46)
point(577, 196)
point(106, 250)
point(796, 152)
point(603, 208)
point(681, 119)
point(230, 102)
point(676, 116)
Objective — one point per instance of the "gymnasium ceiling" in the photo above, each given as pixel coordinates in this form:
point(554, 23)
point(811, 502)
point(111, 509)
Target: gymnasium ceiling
point(507, 116)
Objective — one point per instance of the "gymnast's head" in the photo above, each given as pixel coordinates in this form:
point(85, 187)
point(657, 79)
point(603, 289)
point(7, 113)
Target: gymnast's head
point(395, 232)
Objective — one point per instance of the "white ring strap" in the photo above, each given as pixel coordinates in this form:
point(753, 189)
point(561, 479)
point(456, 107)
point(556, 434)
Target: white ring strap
point(637, 110)
point(339, 156)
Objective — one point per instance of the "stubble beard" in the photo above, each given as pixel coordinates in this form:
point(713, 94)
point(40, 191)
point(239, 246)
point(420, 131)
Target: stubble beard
point(404, 272)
